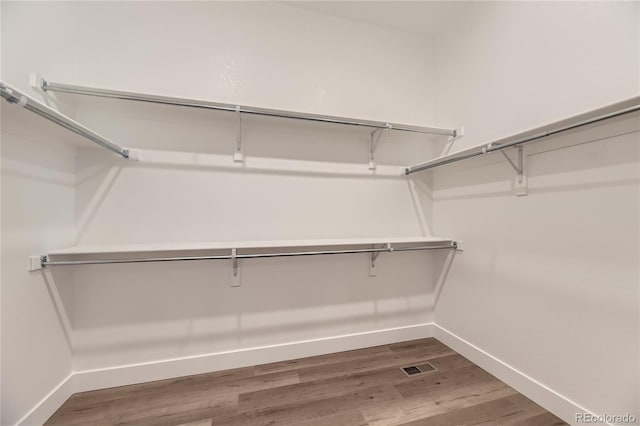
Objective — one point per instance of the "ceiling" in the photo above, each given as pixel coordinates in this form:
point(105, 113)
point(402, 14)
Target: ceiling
point(423, 18)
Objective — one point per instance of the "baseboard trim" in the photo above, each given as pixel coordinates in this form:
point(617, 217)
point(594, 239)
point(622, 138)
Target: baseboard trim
point(49, 404)
point(185, 366)
point(541, 394)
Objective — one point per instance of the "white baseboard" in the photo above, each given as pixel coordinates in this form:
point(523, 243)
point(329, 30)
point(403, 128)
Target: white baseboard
point(551, 400)
point(185, 366)
point(49, 404)
point(82, 381)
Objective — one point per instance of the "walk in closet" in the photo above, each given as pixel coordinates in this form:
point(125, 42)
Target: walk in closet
point(297, 213)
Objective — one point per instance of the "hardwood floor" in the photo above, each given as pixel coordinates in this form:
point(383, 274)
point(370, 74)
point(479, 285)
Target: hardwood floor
point(360, 387)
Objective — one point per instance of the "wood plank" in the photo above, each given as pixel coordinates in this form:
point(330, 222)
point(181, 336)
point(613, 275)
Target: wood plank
point(392, 359)
point(206, 422)
point(348, 418)
point(438, 402)
point(213, 395)
point(213, 399)
point(424, 385)
point(294, 414)
point(503, 411)
point(319, 389)
point(413, 344)
point(170, 413)
point(80, 415)
point(157, 408)
point(546, 419)
point(321, 360)
point(450, 362)
point(158, 386)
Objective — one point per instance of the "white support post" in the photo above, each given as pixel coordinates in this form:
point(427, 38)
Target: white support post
point(374, 257)
point(457, 134)
point(520, 184)
point(374, 138)
point(238, 156)
point(235, 269)
point(35, 263)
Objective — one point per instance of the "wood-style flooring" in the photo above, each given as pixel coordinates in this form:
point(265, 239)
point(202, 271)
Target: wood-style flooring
point(359, 387)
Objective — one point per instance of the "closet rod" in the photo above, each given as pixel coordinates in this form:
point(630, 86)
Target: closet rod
point(196, 103)
point(45, 262)
point(16, 97)
point(497, 145)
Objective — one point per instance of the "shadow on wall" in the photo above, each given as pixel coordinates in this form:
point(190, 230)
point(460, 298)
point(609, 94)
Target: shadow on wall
point(140, 202)
point(139, 293)
point(171, 128)
point(189, 307)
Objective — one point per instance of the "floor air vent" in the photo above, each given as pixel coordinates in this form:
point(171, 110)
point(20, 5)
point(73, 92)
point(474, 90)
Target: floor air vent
point(413, 370)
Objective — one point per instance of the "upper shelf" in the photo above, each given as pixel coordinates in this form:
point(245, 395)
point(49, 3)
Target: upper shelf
point(244, 245)
point(600, 114)
point(21, 99)
point(198, 103)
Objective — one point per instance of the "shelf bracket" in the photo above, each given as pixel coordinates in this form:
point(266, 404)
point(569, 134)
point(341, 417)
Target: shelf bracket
point(457, 134)
point(238, 156)
point(374, 256)
point(235, 269)
point(374, 138)
point(37, 262)
point(521, 178)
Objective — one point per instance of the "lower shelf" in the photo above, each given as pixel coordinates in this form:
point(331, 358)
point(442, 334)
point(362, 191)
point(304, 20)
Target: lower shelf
point(145, 253)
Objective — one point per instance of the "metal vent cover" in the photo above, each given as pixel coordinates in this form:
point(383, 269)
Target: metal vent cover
point(414, 370)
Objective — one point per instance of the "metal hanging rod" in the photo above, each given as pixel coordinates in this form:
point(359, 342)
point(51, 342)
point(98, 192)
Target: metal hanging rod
point(16, 97)
point(196, 103)
point(45, 262)
point(620, 108)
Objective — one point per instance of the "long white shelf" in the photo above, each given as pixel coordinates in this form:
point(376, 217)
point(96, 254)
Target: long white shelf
point(164, 252)
point(50, 86)
point(247, 245)
point(590, 117)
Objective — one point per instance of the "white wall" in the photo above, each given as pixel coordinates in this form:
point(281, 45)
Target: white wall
point(38, 191)
point(518, 65)
point(299, 181)
point(549, 282)
point(38, 214)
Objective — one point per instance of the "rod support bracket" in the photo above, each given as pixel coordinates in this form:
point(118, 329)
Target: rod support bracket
point(38, 262)
point(456, 134)
point(238, 156)
point(374, 256)
point(12, 98)
point(235, 269)
point(374, 139)
point(520, 184)
point(44, 84)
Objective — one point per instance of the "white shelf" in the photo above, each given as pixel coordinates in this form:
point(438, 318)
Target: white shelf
point(129, 249)
point(235, 250)
point(606, 112)
point(50, 86)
